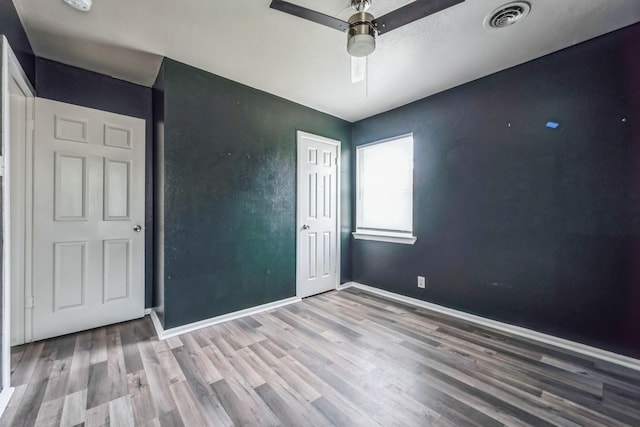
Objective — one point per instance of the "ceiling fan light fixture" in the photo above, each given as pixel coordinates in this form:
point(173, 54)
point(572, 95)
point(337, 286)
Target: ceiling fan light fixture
point(361, 39)
point(361, 45)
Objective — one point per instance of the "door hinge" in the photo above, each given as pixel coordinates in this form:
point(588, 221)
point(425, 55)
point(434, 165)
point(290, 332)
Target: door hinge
point(31, 124)
point(28, 302)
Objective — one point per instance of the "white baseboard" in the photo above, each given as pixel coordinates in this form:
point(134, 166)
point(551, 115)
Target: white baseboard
point(157, 325)
point(345, 285)
point(147, 311)
point(5, 396)
point(190, 327)
point(576, 347)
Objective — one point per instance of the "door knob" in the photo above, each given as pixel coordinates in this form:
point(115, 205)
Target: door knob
point(306, 227)
point(137, 228)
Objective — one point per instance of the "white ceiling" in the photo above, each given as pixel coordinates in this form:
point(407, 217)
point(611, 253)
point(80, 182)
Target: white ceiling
point(246, 41)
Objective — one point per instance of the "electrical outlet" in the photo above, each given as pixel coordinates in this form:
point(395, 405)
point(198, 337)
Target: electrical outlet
point(422, 282)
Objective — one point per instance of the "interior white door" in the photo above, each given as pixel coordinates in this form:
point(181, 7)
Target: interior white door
point(88, 215)
point(317, 224)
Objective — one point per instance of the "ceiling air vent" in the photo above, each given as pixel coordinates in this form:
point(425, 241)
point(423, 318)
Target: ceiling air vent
point(81, 5)
point(508, 14)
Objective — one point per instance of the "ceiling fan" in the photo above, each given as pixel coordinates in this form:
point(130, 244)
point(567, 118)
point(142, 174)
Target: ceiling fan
point(362, 27)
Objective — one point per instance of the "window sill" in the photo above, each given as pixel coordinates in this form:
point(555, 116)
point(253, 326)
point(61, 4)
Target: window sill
point(404, 239)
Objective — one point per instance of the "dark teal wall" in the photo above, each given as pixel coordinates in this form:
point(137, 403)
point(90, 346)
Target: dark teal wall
point(518, 222)
point(230, 193)
point(158, 194)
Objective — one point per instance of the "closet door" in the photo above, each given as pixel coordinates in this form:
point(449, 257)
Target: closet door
point(88, 216)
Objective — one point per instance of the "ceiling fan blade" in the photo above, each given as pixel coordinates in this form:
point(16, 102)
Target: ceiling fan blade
point(411, 12)
point(311, 15)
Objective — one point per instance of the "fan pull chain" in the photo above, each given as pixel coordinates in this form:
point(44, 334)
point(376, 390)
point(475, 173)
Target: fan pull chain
point(366, 77)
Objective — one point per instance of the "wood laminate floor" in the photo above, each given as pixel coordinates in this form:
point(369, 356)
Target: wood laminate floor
point(344, 358)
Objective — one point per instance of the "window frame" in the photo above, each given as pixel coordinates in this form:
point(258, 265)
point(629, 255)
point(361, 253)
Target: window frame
point(407, 237)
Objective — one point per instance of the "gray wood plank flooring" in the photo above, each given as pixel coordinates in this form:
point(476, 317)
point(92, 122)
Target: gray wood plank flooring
point(345, 358)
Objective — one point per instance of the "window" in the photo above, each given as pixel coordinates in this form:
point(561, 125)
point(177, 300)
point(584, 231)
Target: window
point(384, 185)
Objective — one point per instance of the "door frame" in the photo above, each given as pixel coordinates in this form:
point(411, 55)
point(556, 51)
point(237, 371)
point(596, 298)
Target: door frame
point(12, 260)
point(299, 191)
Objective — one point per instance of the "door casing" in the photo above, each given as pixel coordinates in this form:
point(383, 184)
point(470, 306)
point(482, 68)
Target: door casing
point(14, 248)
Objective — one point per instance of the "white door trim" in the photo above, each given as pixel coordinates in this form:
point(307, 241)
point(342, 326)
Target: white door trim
point(20, 213)
point(11, 70)
point(299, 219)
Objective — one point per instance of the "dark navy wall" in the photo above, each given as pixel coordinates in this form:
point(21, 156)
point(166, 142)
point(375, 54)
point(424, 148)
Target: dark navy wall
point(518, 222)
point(72, 85)
point(11, 27)
point(230, 193)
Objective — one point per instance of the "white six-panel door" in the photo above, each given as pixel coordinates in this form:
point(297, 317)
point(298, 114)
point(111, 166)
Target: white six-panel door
point(317, 206)
point(88, 216)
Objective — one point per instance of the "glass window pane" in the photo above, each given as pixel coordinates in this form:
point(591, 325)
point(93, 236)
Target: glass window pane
point(385, 185)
